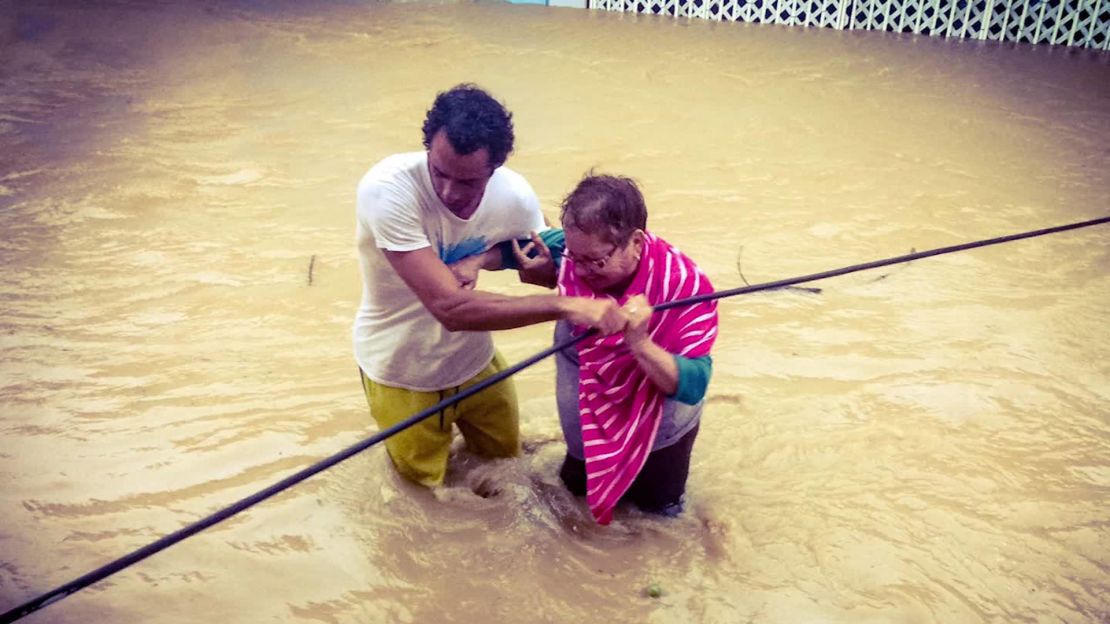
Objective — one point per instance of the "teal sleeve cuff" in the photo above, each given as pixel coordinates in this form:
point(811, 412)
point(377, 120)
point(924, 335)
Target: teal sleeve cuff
point(693, 378)
point(552, 237)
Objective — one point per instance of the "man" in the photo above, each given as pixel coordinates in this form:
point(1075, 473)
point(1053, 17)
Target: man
point(427, 222)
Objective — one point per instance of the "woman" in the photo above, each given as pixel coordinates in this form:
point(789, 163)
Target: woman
point(629, 403)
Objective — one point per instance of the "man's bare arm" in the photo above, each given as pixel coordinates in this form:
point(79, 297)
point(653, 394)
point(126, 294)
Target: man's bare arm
point(461, 309)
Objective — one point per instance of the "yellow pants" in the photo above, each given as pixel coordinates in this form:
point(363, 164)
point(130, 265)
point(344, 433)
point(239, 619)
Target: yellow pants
point(489, 422)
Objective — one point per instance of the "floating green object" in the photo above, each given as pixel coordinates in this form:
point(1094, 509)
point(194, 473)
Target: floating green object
point(654, 590)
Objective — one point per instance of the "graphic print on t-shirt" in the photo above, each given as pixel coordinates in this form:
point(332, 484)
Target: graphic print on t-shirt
point(463, 249)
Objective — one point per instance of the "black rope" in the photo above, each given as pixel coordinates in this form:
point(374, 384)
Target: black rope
point(104, 571)
point(878, 263)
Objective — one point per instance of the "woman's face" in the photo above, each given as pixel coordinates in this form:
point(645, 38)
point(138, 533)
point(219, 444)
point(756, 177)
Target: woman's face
point(601, 264)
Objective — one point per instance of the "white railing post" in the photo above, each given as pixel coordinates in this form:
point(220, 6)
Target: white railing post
point(933, 21)
point(1074, 24)
point(1093, 28)
point(967, 19)
point(1040, 22)
point(988, 13)
point(1021, 22)
point(842, 8)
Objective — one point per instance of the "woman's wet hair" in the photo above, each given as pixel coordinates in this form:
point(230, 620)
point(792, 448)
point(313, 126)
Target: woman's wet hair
point(472, 120)
point(605, 205)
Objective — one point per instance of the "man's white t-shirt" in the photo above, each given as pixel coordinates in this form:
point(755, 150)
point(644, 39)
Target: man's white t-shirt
point(397, 341)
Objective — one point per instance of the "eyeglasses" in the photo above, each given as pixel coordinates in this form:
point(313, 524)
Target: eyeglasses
point(592, 263)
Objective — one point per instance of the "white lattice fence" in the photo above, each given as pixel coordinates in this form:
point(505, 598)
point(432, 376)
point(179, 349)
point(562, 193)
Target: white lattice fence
point(1081, 23)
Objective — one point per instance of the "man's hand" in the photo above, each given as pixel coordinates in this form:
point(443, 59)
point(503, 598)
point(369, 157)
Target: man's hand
point(604, 314)
point(539, 270)
point(466, 270)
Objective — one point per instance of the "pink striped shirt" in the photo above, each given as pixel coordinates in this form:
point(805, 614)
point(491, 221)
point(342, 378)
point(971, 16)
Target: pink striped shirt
point(620, 407)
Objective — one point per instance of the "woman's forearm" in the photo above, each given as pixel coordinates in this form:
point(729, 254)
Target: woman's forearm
point(657, 363)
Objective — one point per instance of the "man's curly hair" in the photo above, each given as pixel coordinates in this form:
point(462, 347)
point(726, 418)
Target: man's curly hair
point(472, 120)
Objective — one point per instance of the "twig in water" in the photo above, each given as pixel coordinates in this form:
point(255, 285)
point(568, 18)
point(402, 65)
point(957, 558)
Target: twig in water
point(740, 270)
point(311, 264)
point(815, 291)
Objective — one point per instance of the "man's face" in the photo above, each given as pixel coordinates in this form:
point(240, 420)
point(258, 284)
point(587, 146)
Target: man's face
point(459, 180)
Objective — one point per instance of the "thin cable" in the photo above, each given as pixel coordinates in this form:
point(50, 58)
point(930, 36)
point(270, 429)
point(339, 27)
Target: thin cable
point(720, 294)
point(198, 526)
point(81, 582)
